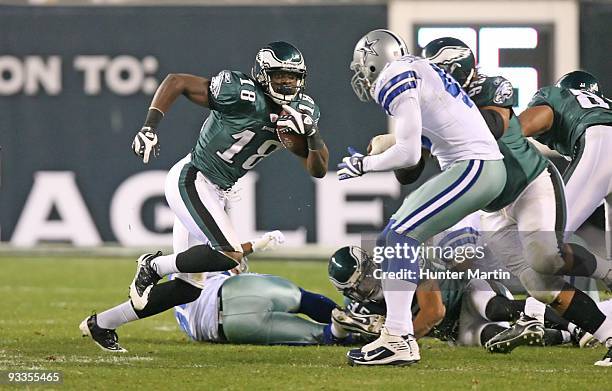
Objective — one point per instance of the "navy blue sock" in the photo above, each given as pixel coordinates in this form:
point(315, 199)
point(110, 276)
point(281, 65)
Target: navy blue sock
point(316, 306)
point(402, 260)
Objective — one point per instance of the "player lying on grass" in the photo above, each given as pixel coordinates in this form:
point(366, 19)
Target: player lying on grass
point(467, 312)
point(239, 131)
point(258, 309)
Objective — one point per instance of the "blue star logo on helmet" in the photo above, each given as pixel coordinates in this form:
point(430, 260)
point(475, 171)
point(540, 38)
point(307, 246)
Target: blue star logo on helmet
point(368, 48)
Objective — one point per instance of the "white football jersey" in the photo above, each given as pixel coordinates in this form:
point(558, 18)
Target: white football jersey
point(452, 127)
point(200, 318)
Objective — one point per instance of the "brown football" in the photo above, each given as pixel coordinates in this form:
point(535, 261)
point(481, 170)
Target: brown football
point(294, 142)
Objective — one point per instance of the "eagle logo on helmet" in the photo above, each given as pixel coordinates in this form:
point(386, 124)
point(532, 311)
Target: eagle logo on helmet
point(368, 48)
point(450, 54)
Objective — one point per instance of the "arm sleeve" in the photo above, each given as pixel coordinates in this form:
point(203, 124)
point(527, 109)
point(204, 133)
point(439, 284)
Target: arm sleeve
point(494, 121)
point(406, 151)
point(406, 176)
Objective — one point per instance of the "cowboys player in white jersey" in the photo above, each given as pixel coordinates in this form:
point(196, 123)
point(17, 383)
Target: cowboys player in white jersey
point(258, 309)
point(426, 103)
point(530, 212)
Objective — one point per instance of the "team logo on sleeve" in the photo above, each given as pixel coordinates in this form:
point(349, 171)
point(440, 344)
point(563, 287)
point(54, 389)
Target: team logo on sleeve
point(503, 93)
point(215, 83)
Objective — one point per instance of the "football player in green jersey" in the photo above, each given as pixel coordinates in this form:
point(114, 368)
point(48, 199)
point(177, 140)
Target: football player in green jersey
point(575, 119)
point(468, 312)
point(530, 212)
point(245, 111)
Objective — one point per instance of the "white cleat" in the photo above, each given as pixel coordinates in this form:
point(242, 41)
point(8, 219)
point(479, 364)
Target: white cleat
point(606, 361)
point(387, 350)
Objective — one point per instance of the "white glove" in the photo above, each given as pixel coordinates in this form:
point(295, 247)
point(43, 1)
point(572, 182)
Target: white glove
point(300, 123)
point(351, 166)
point(145, 142)
point(268, 241)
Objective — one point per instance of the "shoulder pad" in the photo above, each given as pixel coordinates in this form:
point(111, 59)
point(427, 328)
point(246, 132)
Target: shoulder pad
point(491, 91)
point(542, 96)
point(217, 81)
point(504, 91)
point(232, 90)
point(393, 70)
point(480, 80)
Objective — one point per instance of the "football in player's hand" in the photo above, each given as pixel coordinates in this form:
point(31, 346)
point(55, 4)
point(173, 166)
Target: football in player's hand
point(380, 143)
point(294, 142)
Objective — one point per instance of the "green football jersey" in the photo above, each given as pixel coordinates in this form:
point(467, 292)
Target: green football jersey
point(451, 289)
point(241, 128)
point(522, 160)
point(574, 111)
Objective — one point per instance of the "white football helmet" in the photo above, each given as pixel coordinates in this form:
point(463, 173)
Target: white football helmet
point(373, 51)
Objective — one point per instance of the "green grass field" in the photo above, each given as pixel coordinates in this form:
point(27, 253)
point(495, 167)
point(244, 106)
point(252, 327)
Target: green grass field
point(44, 300)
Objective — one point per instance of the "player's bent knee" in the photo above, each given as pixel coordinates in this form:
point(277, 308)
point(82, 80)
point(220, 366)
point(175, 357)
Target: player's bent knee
point(167, 295)
point(187, 291)
point(545, 297)
point(546, 263)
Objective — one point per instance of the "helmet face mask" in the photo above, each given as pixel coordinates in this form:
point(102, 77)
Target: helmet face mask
point(370, 56)
point(277, 57)
point(285, 83)
point(360, 82)
point(580, 80)
point(454, 57)
point(351, 271)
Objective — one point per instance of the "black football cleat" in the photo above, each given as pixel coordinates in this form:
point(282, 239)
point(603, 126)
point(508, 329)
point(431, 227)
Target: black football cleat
point(583, 339)
point(358, 323)
point(106, 339)
point(526, 331)
point(606, 361)
point(145, 279)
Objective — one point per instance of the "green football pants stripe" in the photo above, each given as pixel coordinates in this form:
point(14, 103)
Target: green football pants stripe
point(560, 203)
point(258, 309)
point(198, 210)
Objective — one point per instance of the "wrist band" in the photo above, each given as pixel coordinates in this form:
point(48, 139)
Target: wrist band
point(154, 116)
point(155, 108)
point(315, 142)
